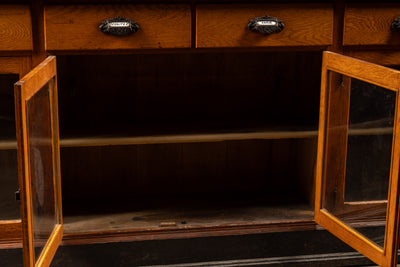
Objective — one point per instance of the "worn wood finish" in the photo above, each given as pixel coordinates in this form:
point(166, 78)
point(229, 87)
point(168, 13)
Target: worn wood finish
point(15, 28)
point(76, 27)
point(184, 216)
point(225, 25)
point(189, 232)
point(367, 72)
point(25, 90)
point(10, 230)
point(189, 138)
point(369, 24)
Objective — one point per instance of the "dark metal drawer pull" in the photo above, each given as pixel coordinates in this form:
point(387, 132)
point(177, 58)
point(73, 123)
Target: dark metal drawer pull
point(119, 26)
point(396, 25)
point(266, 25)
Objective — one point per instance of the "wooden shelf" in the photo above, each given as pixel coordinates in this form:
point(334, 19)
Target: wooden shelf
point(87, 141)
point(184, 138)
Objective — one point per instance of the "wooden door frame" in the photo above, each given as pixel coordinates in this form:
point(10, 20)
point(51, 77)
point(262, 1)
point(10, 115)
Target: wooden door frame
point(389, 79)
point(25, 89)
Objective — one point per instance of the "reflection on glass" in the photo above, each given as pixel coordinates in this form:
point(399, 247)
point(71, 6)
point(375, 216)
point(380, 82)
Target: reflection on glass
point(367, 148)
point(41, 166)
point(9, 207)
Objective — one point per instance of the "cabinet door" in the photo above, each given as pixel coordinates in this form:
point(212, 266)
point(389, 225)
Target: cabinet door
point(11, 70)
point(38, 159)
point(358, 156)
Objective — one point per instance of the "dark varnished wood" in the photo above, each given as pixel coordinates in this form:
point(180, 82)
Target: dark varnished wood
point(16, 28)
point(369, 24)
point(76, 27)
point(225, 25)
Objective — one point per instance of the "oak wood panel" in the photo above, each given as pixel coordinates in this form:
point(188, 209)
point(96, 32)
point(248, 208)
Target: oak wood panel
point(76, 27)
point(15, 28)
point(10, 230)
point(369, 24)
point(225, 25)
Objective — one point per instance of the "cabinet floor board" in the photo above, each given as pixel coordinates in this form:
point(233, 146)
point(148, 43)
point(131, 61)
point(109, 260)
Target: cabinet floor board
point(180, 217)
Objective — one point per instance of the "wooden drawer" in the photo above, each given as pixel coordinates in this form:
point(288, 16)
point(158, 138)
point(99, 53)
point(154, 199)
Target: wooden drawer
point(15, 28)
point(76, 27)
point(225, 25)
point(370, 24)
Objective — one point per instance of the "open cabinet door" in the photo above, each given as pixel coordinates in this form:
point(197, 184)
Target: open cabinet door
point(39, 166)
point(358, 156)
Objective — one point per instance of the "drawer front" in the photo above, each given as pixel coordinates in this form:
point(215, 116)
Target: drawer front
point(15, 28)
point(76, 27)
point(226, 25)
point(371, 24)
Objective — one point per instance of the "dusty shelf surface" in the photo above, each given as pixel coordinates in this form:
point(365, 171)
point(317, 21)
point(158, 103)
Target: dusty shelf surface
point(185, 216)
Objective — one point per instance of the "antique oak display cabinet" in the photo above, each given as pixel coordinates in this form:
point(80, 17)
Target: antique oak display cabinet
point(181, 119)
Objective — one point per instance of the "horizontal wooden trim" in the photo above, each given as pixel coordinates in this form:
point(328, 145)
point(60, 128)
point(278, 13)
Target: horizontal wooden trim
point(193, 138)
point(38, 77)
point(10, 230)
point(362, 70)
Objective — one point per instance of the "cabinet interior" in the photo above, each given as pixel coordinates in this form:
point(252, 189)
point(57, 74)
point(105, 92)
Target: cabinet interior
point(9, 207)
point(187, 138)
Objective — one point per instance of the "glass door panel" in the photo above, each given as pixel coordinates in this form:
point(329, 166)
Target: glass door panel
point(357, 170)
point(37, 124)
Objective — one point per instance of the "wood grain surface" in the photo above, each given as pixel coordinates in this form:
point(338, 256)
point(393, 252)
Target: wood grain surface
point(370, 24)
point(10, 230)
point(76, 27)
point(15, 28)
point(225, 25)
point(385, 77)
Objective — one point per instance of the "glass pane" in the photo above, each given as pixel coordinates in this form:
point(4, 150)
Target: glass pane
point(9, 207)
point(363, 134)
point(371, 119)
point(41, 166)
